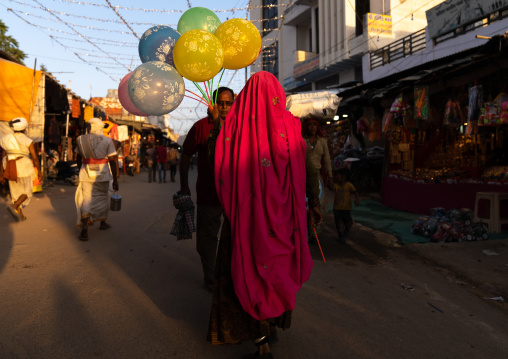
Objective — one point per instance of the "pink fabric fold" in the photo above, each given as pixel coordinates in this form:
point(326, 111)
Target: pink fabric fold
point(260, 181)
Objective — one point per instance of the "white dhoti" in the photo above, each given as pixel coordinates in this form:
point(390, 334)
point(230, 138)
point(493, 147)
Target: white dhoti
point(92, 201)
point(24, 185)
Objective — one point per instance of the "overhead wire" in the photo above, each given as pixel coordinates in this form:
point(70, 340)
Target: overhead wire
point(123, 20)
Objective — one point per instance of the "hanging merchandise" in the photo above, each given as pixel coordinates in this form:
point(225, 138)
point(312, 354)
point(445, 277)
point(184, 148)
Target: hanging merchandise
point(389, 127)
point(54, 132)
point(453, 114)
point(400, 109)
point(88, 113)
point(475, 103)
point(363, 125)
point(421, 102)
point(76, 108)
point(375, 133)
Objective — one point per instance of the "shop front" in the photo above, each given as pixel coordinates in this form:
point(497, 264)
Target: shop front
point(446, 131)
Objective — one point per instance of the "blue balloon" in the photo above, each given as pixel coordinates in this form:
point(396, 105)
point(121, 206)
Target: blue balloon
point(157, 44)
point(156, 88)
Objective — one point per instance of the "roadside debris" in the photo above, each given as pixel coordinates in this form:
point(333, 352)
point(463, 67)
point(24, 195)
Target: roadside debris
point(433, 306)
point(499, 299)
point(489, 252)
point(407, 287)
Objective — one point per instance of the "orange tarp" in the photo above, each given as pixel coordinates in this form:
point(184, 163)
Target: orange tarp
point(16, 82)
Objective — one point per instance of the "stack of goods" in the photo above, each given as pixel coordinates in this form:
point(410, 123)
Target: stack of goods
point(452, 226)
point(494, 112)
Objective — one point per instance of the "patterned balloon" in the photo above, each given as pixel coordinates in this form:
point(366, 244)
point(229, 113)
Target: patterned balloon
point(198, 55)
point(198, 18)
point(125, 100)
point(157, 44)
point(156, 88)
point(240, 41)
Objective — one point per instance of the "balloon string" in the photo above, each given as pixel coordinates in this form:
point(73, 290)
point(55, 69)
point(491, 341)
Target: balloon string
point(206, 89)
point(211, 88)
point(204, 103)
point(196, 95)
point(218, 85)
point(201, 90)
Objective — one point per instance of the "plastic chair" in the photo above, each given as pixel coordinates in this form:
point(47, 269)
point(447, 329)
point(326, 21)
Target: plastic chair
point(494, 220)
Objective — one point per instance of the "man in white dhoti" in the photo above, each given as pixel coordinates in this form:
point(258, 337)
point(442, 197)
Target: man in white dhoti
point(18, 161)
point(94, 152)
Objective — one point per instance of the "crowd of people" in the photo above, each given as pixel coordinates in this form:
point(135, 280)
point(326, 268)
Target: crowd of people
point(259, 175)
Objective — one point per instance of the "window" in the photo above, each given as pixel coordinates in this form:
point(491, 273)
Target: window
point(270, 16)
point(362, 7)
point(271, 59)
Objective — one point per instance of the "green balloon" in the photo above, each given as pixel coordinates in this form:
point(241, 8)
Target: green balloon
point(198, 18)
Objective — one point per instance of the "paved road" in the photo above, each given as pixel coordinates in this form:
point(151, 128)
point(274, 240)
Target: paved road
point(136, 292)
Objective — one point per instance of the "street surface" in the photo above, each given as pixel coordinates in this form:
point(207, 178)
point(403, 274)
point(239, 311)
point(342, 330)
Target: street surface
point(134, 291)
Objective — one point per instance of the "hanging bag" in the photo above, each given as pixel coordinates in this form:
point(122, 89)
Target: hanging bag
point(10, 172)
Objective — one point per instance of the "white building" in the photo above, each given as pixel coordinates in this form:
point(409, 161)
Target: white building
point(319, 44)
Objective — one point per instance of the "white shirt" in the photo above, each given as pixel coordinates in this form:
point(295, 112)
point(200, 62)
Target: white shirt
point(103, 147)
point(24, 165)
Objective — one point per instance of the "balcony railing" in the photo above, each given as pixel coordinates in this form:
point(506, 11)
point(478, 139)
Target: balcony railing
point(398, 49)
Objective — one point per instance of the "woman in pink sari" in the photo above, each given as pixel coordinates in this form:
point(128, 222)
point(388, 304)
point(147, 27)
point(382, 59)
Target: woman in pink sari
point(261, 169)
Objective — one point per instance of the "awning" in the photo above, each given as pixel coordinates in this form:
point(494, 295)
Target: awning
point(18, 90)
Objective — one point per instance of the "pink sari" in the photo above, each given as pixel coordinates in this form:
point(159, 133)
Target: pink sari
point(260, 181)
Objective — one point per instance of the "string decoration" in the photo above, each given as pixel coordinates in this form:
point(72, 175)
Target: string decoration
point(177, 10)
point(121, 18)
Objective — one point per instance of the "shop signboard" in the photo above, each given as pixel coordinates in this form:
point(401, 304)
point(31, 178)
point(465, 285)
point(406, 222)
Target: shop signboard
point(421, 103)
point(378, 24)
point(451, 14)
point(306, 66)
point(290, 83)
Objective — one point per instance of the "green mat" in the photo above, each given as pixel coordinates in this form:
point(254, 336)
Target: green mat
point(374, 215)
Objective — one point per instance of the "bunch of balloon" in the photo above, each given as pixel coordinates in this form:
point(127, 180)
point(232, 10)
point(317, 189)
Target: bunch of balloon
point(241, 43)
point(154, 88)
point(198, 51)
point(207, 46)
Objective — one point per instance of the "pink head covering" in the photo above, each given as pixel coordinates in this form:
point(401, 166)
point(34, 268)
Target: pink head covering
point(260, 181)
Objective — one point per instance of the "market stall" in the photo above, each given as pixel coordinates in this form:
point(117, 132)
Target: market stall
point(446, 143)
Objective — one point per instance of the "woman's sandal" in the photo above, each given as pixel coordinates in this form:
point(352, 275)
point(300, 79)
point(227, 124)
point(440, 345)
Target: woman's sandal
point(264, 340)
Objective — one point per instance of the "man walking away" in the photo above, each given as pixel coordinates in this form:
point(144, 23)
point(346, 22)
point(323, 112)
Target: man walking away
point(18, 162)
point(173, 157)
point(162, 158)
point(94, 152)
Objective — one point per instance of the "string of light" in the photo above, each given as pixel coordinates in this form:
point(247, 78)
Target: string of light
point(77, 32)
point(177, 10)
point(76, 25)
point(63, 13)
point(79, 38)
point(112, 21)
point(106, 42)
point(123, 20)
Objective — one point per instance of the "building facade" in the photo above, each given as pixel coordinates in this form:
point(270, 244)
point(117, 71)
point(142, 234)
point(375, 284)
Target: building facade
point(319, 44)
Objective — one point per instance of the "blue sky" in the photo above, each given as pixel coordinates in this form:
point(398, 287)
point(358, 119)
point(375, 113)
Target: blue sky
point(89, 46)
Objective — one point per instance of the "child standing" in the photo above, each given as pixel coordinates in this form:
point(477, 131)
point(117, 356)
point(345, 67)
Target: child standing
point(342, 206)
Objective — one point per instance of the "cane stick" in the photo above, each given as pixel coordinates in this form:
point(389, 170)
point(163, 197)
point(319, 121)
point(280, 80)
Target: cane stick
point(317, 239)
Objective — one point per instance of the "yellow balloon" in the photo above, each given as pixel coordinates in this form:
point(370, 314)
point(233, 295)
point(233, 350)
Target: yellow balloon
point(198, 55)
point(241, 42)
